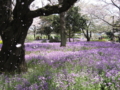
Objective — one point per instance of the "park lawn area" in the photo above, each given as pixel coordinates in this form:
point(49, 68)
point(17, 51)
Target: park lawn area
point(78, 66)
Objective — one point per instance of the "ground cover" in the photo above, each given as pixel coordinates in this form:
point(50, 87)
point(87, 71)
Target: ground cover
point(79, 66)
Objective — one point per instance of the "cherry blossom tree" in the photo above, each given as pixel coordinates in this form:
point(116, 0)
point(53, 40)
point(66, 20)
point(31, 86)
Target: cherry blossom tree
point(15, 20)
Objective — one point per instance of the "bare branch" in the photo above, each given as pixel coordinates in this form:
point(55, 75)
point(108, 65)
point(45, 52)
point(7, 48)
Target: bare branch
point(115, 4)
point(103, 20)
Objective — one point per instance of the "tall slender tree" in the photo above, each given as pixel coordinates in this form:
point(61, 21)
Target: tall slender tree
point(14, 26)
point(74, 21)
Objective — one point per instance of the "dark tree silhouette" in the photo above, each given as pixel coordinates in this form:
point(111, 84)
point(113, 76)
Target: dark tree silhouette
point(14, 25)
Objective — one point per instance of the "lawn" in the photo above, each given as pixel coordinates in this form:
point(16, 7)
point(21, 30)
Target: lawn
point(79, 66)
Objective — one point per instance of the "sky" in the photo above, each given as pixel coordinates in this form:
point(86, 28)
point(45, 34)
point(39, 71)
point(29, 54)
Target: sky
point(91, 1)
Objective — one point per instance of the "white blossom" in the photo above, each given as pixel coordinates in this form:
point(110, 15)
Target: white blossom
point(18, 45)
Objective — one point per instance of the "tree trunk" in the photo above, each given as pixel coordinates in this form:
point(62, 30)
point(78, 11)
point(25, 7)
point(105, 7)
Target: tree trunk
point(34, 34)
point(63, 32)
point(12, 58)
point(69, 35)
point(73, 36)
point(12, 51)
point(88, 39)
point(48, 36)
point(87, 35)
point(62, 28)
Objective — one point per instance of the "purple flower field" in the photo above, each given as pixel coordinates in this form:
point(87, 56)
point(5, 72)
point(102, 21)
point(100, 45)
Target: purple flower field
point(79, 66)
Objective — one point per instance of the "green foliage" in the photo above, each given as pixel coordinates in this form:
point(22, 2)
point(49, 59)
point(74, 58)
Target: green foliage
point(56, 24)
point(29, 38)
point(74, 20)
point(45, 25)
point(47, 30)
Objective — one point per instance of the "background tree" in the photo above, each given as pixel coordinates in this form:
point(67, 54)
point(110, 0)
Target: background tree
point(34, 29)
point(108, 12)
point(47, 31)
point(62, 28)
point(74, 21)
point(56, 24)
point(86, 31)
point(14, 26)
point(45, 22)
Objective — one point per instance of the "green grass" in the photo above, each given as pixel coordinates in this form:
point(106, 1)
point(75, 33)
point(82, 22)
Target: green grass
point(82, 80)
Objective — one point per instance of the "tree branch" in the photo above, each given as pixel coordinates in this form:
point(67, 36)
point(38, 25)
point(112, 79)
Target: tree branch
point(114, 4)
point(84, 33)
point(103, 20)
point(29, 2)
point(48, 10)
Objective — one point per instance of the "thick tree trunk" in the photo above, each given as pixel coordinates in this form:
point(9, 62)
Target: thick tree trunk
point(12, 55)
point(62, 28)
point(12, 58)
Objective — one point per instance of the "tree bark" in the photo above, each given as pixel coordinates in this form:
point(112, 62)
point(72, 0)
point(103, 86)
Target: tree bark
point(35, 33)
point(69, 35)
point(88, 39)
point(48, 36)
point(62, 28)
point(12, 51)
point(73, 35)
